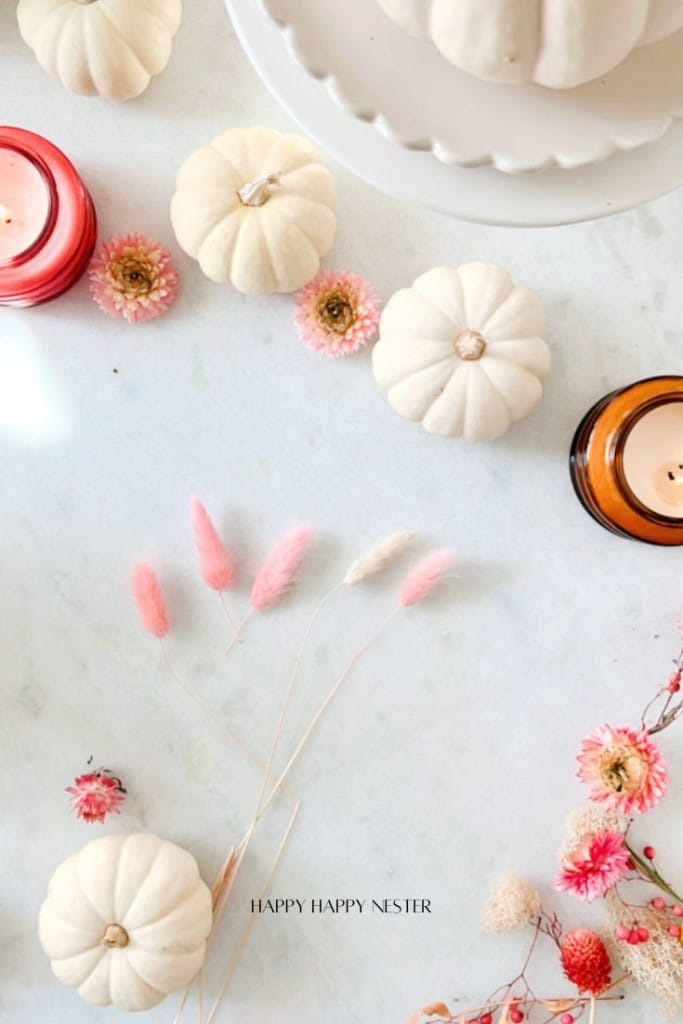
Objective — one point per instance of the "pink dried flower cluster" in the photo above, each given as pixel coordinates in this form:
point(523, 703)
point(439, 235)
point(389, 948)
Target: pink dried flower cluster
point(133, 277)
point(595, 866)
point(624, 769)
point(95, 795)
point(337, 313)
point(585, 961)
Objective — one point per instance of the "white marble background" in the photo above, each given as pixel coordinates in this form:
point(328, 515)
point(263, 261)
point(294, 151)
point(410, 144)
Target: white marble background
point(449, 756)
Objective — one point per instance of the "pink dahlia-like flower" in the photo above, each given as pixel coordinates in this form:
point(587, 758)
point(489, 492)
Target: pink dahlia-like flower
point(585, 961)
point(624, 769)
point(134, 278)
point(336, 313)
point(595, 866)
point(95, 795)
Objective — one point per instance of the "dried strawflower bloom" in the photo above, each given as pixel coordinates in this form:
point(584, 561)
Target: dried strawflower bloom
point(513, 902)
point(655, 965)
point(595, 866)
point(590, 819)
point(624, 769)
point(95, 795)
point(585, 961)
point(134, 278)
point(337, 313)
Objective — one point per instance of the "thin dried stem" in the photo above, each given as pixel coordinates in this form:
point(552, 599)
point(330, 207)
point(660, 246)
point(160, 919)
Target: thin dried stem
point(230, 733)
point(231, 621)
point(323, 708)
point(284, 708)
point(246, 934)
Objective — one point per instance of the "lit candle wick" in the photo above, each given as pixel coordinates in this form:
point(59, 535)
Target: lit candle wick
point(5, 214)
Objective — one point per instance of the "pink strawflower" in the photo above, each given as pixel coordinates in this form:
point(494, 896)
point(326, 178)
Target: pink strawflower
point(595, 866)
point(132, 277)
point(624, 769)
point(337, 313)
point(585, 961)
point(95, 795)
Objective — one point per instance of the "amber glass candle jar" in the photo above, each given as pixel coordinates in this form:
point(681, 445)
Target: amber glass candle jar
point(626, 461)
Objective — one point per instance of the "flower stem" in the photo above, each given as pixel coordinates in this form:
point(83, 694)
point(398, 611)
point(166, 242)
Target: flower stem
point(648, 871)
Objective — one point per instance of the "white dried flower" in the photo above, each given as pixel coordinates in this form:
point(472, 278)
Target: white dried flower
point(378, 557)
point(655, 965)
point(512, 903)
point(590, 819)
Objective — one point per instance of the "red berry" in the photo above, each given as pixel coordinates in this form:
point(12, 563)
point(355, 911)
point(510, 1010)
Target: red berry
point(677, 909)
point(633, 938)
point(516, 1016)
point(658, 903)
point(486, 1018)
point(566, 1018)
point(631, 864)
point(674, 683)
point(674, 930)
point(623, 932)
point(650, 852)
point(643, 934)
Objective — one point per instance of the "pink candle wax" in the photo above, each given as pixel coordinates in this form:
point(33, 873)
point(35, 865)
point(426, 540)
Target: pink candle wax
point(24, 204)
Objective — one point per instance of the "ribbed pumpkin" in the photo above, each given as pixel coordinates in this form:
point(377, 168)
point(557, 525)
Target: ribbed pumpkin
point(460, 351)
point(110, 48)
point(257, 209)
point(557, 43)
point(126, 921)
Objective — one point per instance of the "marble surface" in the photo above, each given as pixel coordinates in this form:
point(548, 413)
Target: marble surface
point(449, 756)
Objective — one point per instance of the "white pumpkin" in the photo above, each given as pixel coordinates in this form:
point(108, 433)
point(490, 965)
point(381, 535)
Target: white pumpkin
point(126, 921)
point(110, 48)
point(557, 43)
point(257, 209)
point(460, 351)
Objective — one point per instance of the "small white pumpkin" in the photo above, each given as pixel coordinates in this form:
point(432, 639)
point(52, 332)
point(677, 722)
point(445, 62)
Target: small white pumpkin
point(257, 209)
point(557, 43)
point(126, 921)
point(460, 351)
point(110, 48)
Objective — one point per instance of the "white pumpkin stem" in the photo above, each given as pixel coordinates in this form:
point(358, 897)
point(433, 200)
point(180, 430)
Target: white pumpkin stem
point(469, 345)
point(258, 192)
point(115, 937)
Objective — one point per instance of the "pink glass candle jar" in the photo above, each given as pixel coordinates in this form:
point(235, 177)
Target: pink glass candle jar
point(48, 226)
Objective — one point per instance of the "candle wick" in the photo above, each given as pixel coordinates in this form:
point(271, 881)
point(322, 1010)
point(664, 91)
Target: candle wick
point(5, 214)
point(675, 478)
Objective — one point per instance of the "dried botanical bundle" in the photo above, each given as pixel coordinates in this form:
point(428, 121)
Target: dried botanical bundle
point(512, 903)
point(656, 964)
point(215, 564)
point(277, 572)
point(590, 819)
point(378, 557)
point(425, 576)
point(150, 600)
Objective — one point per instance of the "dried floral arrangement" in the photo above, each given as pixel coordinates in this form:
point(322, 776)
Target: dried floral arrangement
point(642, 940)
point(274, 579)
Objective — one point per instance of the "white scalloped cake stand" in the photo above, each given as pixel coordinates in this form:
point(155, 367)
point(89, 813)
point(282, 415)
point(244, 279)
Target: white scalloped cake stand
point(485, 195)
point(403, 85)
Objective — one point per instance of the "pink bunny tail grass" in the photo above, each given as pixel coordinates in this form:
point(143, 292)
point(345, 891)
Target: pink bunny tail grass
point(277, 572)
point(425, 576)
point(151, 604)
point(215, 564)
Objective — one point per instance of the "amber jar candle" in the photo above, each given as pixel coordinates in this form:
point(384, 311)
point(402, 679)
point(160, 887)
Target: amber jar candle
point(626, 461)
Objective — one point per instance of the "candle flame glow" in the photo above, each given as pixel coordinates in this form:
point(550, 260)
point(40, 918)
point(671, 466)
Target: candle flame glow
point(5, 214)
